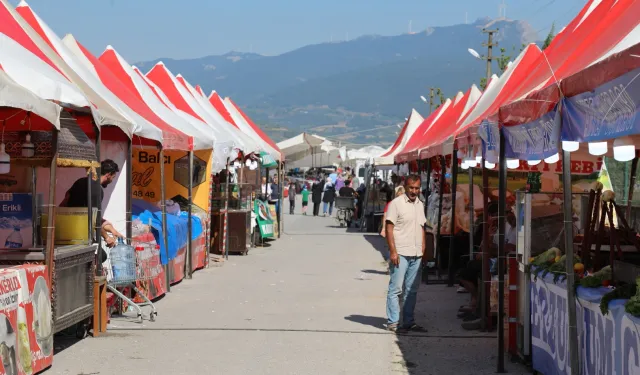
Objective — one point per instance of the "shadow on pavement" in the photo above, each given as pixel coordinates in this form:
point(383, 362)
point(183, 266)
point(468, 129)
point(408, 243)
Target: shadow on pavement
point(378, 243)
point(375, 272)
point(446, 348)
point(373, 321)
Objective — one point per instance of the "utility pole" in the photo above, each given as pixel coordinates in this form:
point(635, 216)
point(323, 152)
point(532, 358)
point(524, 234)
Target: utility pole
point(490, 44)
point(431, 93)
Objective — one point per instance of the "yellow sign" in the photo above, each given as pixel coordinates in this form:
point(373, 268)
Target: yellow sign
point(146, 176)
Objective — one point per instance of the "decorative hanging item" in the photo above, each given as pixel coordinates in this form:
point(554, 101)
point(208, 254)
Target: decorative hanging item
point(28, 148)
point(5, 159)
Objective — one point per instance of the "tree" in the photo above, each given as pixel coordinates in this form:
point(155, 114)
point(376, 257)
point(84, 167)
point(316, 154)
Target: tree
point(550, 36)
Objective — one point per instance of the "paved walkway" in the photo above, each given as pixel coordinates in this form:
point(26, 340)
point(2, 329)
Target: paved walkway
point(312, 303)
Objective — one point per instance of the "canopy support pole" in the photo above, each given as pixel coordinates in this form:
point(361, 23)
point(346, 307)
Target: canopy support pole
point(129, 181)
point(502, 208)
point(428, 188)
point(574, 353)
point(632, 183)
point(280, 192)
point(188, 261)
point(452, 242)
point(443, 171)
point(225, 217)
point(163, 206)
point(51, 219)
point(484, 291)
point(472, 211)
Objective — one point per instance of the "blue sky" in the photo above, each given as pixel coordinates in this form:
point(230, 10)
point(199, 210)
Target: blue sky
point(148, 29)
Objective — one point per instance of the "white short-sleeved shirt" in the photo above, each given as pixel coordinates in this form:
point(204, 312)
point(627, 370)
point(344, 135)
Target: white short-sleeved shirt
point(510, 235)
point(408, 225)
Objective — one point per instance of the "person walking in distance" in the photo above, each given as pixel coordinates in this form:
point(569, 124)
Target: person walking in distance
point(404, 227)
point(316, 190)
point(292, 197)
point(305, 199)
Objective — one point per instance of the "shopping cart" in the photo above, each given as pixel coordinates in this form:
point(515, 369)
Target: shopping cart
point(147, 262)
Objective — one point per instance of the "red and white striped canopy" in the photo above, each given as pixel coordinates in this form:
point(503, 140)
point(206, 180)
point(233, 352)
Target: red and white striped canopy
point(202, 140)
point(245, 122)
point(413, 122)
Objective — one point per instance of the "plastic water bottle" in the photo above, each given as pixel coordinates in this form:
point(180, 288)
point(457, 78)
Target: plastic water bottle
point(14, 241)
point(123, 261)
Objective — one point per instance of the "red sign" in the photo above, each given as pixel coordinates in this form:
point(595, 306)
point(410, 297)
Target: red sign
point(26, 321)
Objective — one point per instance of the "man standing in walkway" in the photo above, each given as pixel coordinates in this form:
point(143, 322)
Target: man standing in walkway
point(404, 225)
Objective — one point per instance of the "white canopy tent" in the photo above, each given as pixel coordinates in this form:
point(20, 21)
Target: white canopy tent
point(309, 151)
point(13, 95)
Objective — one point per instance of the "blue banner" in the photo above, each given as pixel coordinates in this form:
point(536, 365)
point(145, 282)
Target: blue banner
point(535, 140)
point(608, 344)
point(489, 132)
point(610, 111)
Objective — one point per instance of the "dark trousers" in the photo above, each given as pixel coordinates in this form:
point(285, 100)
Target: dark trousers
point(292, 206)
point(316, 208)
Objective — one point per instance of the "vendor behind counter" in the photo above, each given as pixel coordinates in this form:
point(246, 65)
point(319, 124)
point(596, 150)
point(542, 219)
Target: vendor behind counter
point(77, 196)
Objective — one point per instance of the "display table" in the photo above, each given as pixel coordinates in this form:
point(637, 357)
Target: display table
point(26, 324)
point(608, 344)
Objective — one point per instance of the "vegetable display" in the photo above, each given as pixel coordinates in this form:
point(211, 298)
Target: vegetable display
point(597, 279)
point(622, 292)
point(633, 304)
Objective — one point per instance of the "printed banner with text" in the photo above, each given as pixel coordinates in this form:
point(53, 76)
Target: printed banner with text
point(608, 112)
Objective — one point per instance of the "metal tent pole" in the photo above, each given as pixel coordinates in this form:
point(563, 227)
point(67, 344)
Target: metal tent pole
point(568, 244)
point(225, 217)
point(280, 192)
point(632, 183)
point(129, 182)
point(454, 183)
point(443, 170)
point(163, 206)
point(51, 219)
point(574, 349)
point(502, 207)
point(472, 211)
point(188, 264)
point(484, 291)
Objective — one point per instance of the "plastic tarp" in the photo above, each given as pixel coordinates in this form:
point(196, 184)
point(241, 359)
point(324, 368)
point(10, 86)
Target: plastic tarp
point(202, 140)
point(14, 96)
point(413, 122)
point(31, 59)
point(177, 228)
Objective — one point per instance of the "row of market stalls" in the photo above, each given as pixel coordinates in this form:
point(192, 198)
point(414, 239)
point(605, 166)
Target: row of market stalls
point(539, 143)
point(186, 162)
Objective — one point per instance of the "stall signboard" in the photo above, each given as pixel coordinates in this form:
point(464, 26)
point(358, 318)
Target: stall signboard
point(26, 322)
point(609, 344)
point(146, 176)
point(16, 219)
point(263, 217)
point(273, 213)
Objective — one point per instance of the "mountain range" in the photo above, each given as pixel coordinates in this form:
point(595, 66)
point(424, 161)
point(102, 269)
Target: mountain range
point(344, 89)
